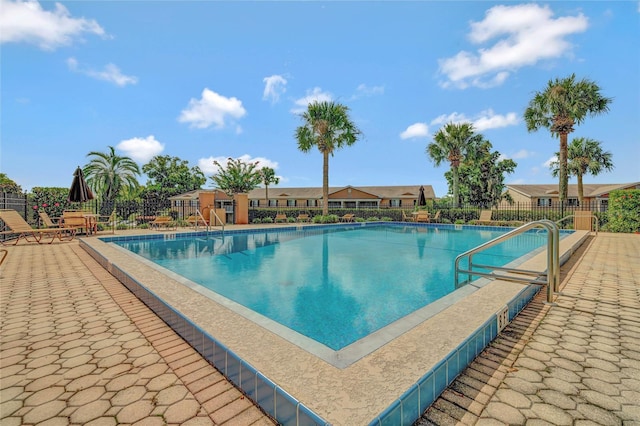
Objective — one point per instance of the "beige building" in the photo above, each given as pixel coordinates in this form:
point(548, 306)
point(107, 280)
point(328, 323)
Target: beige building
point(596, 196)
point(348, 197)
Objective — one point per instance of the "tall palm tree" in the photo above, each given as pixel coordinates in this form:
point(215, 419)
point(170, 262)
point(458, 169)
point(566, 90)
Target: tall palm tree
point(584, 155)
point(563, 104)
point(452, 143)
point(108, 174)
point(268, 177)
point(328, 127)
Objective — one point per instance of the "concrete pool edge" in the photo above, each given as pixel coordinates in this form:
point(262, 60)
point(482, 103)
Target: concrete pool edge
point(347, 397)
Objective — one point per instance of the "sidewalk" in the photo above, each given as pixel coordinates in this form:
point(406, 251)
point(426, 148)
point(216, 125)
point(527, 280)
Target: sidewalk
point(577, 363)
point(77, 348)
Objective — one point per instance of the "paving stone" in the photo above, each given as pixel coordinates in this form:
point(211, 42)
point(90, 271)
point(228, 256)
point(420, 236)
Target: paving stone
point(513, 398)
point(552, 414)
point(598, 415)
point(505, 413)
point(601, 400)
point(90, 411)
point(44, 412)
point(181, 411)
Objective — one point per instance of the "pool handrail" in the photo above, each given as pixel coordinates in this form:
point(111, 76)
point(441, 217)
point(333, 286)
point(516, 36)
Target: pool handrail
point(212, 212)
point(552, 273)
point(594, 221)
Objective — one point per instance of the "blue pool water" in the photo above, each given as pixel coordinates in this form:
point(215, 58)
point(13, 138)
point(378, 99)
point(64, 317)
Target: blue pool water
point(334, 285)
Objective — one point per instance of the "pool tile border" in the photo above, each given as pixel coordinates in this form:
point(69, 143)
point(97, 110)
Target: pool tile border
point(282, 406)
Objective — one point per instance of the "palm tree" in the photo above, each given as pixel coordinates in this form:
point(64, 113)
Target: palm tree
point(584, 155)
point(327, 126)
point(268, 176)
point(452, 143)
point(563, 104)
point(108, 174)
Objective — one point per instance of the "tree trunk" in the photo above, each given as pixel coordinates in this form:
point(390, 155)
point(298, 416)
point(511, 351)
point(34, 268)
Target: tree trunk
point(266, 194)
point(456, 186)
point(564, 178)
point(325, 183)
point(580, 191)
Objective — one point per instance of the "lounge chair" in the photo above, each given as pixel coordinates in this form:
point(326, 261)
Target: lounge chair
point(196, 220)
point(436, 217)
point(422, 216)
point(406, 218)
point(303, 218)
point(280, 218)
point(165, 222)
point(19, 228)
point(348, 218)
point(47, 221)
point(485, 218)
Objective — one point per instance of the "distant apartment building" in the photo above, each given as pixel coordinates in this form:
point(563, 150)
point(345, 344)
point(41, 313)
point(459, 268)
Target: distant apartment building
point(596, 196)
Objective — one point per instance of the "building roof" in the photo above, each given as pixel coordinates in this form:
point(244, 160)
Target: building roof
point(310, 193)
point(315, 193)
point(590, 189)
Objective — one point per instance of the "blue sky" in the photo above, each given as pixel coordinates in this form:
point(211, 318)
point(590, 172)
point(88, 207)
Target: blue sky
point(209, 80)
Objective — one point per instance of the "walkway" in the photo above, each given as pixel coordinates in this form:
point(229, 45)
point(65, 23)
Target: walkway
point(577, 363)
point(77, 348)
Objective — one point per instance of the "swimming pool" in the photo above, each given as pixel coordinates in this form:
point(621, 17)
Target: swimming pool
point(388, 377)
point(333, 285)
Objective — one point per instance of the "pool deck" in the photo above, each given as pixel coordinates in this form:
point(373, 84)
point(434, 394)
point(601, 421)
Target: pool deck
point(76, 347)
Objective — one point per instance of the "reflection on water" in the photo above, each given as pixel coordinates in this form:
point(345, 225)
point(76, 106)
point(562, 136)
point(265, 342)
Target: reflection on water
point(334, 286)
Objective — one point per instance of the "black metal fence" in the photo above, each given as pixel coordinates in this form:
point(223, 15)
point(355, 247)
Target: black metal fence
point(132, 214)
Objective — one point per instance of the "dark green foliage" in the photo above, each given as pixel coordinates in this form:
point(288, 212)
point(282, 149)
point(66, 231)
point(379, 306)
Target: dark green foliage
point(169, 176)
point(624, 211)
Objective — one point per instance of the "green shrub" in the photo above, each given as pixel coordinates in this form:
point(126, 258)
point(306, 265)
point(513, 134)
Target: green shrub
point(459, 222)
point(624, 211)
point(360, 219)
point(267, 219)
point(256, 220)
point(291, 219)
point(372, 219)
point(332, 218)
point(123, 226)
point(386, 219)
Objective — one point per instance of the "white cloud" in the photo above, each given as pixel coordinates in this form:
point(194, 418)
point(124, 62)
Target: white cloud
point(141, 149)
point(212, 108)
point(26, 21)
point(523, 35)
point(416, 130)
point(523, 153)
point(364, 90)
point(274, 86)
point(315, 95)
point(111, 73)
point(482, 121)
point(547, 164)
point(208, 168)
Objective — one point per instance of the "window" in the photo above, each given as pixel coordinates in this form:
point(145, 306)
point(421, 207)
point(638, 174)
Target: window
point(273, 203)
point(335, 204)
point(311, 203)
point(395, 203)
point(572, 202)
point(349, 204)
point(368, 204)
point(544, 202)
point(254, 203)
point(291, 203)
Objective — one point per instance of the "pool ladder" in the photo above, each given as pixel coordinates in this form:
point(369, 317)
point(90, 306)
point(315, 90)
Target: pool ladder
point(551, 276)
point(207, 226)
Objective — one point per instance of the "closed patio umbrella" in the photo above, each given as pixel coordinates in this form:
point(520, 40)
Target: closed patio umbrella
point(79, 191)
point(422, 201)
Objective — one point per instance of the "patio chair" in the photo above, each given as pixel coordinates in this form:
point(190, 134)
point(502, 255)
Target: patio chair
point(436, 217)
point(280, 218)
point(406, 218)
point(106, 222)
point(47, 220)
point(348, 218)
point(485, 218)
point(18, 227)
point(195, 221)
point(422, 216)
point(74, 219)
point(303, 217)
point(165, 222)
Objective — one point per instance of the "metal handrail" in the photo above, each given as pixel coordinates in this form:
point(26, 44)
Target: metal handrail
point(552, 273)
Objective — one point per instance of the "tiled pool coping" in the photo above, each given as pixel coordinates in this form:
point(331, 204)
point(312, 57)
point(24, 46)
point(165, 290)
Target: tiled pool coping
point(297, 389)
